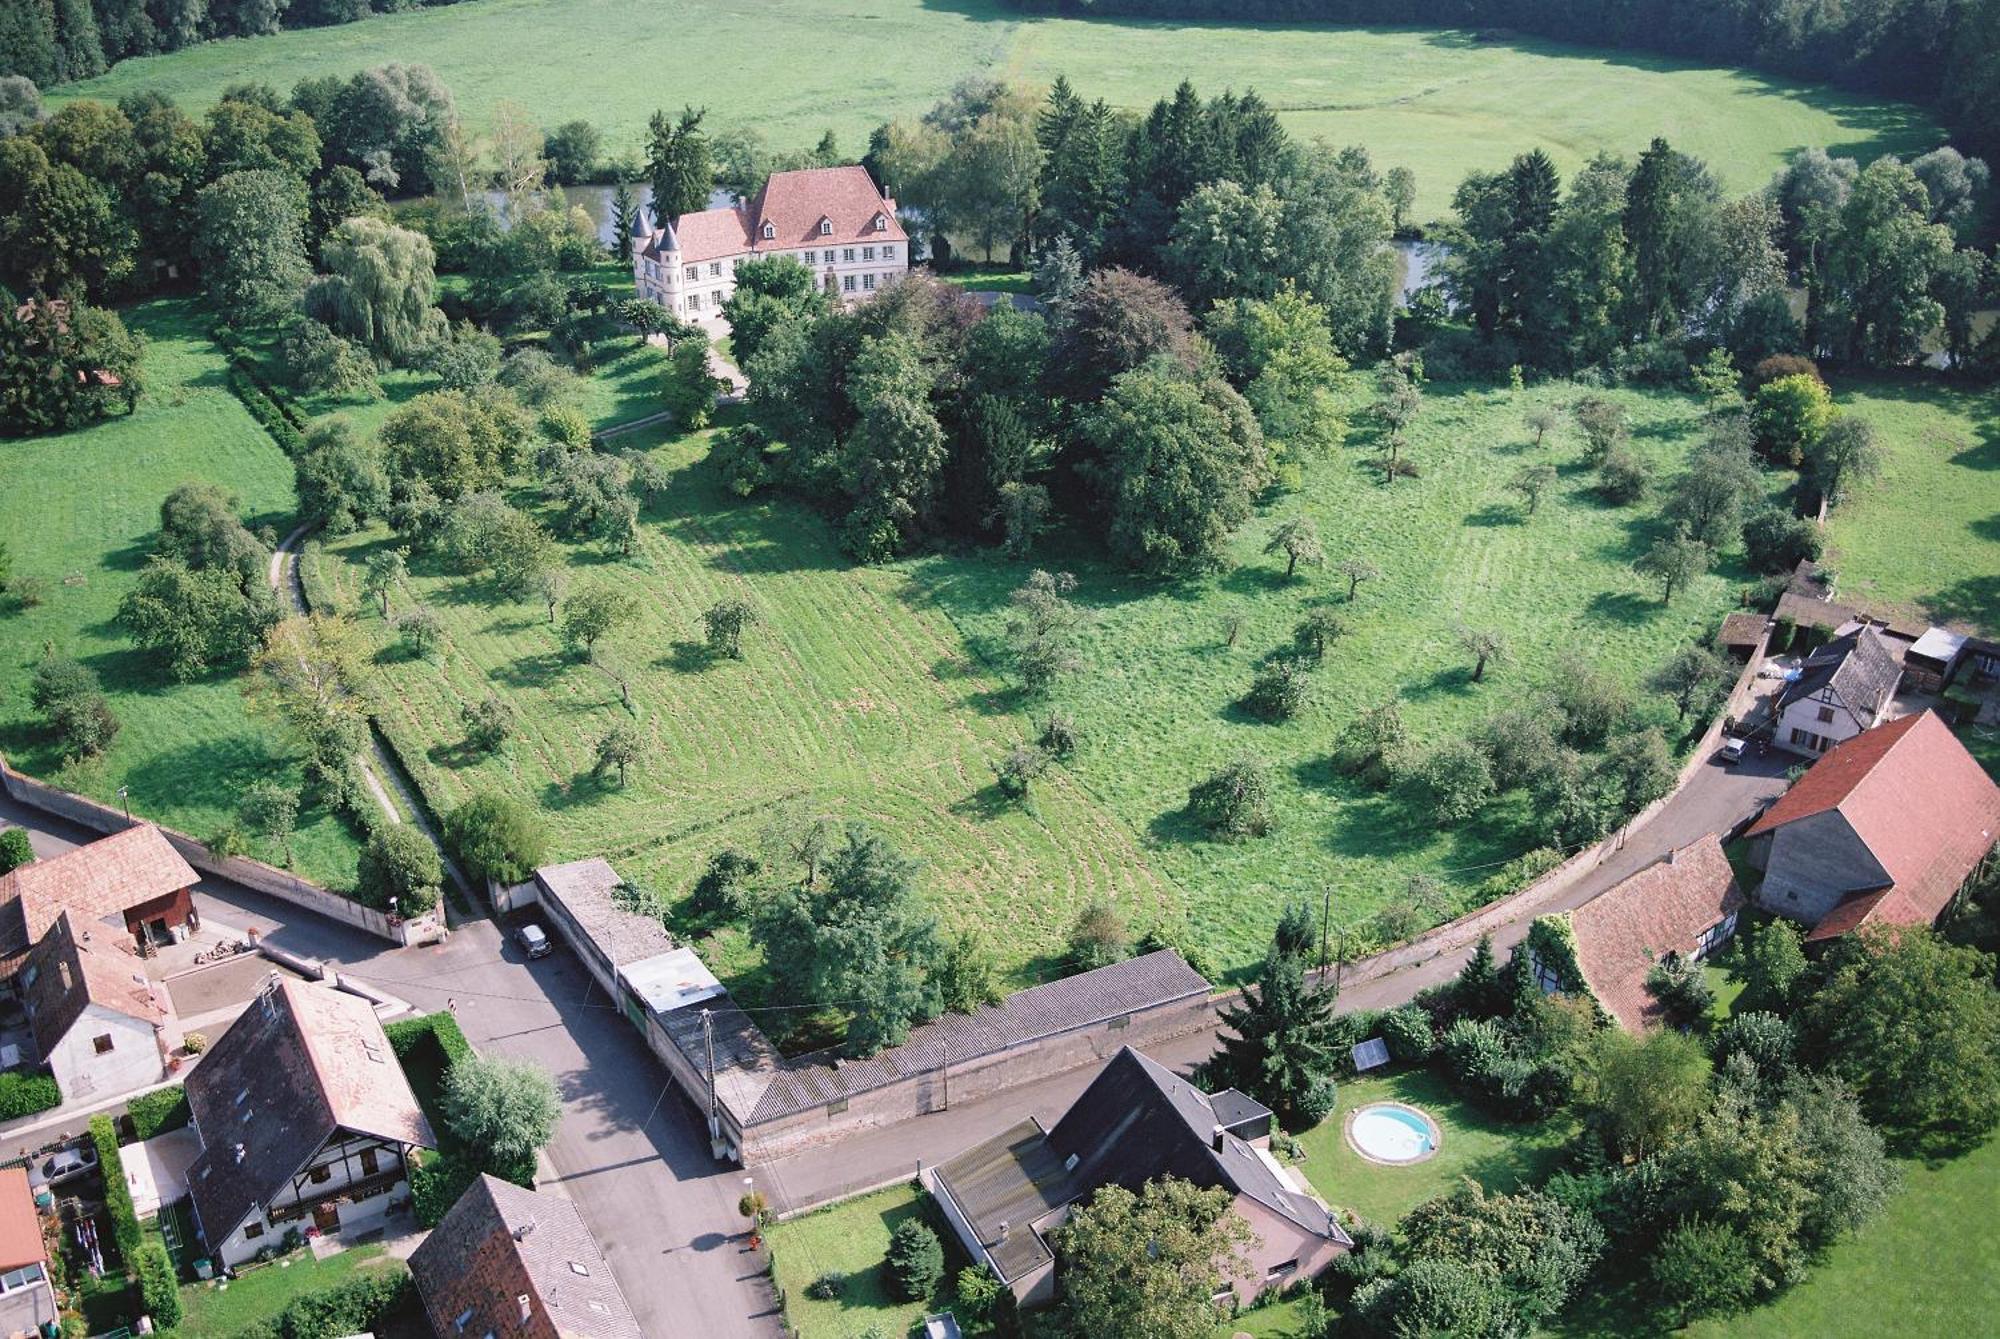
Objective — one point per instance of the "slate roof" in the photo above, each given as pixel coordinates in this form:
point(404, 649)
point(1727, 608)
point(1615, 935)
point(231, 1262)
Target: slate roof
point(793, 203)
point(70, 976)
point(103, 878)
point(1083, 1000)
point(1859, 670)
point(1137, 1122)
point(301, 1063)
point(584, 889)
point(1924, 807)
point(1630, 926)
point(500, 1243)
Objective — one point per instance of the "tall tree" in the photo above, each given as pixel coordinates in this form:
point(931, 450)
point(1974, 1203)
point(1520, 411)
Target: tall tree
point(678, 164)
point(1284, 1050)
point(250, 242)
point(379, 289)
point(1145, 1265)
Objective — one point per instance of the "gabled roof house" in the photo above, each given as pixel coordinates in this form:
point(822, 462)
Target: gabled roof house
point(1883, 830)
point(1843, 688)
point(135, 876)
point(305, 1119)
point(1684, 904)
point(508, 1263)
point(1137, 1122)
point(101, 1024)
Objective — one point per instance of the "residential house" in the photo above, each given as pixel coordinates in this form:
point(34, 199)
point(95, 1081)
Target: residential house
point(508, 1263)
point(832, 220)
point(306, 1120)
point(1885, 829)
point(134, 878)
point(1137, 1122)
point(102, 1025)
point(1843, 688)
point(27, 1303)
point(1683, 905)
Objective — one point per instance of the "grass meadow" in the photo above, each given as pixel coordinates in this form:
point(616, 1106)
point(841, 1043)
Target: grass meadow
point(1925, 536)
point(885, 693)
point(79, 511)
point(1442, 103)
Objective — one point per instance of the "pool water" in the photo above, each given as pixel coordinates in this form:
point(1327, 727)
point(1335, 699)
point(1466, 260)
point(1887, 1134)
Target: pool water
point(1388, 1132)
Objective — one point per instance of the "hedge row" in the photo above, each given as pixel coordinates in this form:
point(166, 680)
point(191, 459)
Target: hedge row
point(117, 1194)
point(265, 410)
point(441, 1027)
point(158, 1112)
point(355, 1305)
point(159, 1290)
point(24, 1092)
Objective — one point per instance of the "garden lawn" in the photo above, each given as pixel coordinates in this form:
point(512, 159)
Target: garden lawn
point(1442, 103)
point(1500, 1155)
point(851, 697)
point(80, 510)
point(1155, 700)
point(1925, 536)
point(211, 1308)
point(852, 1238)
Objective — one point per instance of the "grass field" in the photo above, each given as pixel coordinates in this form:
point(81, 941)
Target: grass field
point(1439, 102)
point(1498, 1155)
point(851, 1238)
point(859, 693)
point(222, 1309)
point(79, 511)
point(1925, 536)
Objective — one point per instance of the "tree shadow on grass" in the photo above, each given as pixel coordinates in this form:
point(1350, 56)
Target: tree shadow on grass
point(129, 557)
point(1377, 826)
point(1450, 681)
point(1624, 607)
point(1495, 514)
point(1974, 600)
point(534, 671)
point(211, 774)
point(1256, 579)
point(986, 804)
point(688, 657)
point(1177, 826)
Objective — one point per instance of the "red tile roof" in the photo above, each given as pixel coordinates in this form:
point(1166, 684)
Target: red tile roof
point(102, 879)
point(20, 1229)
point(1922, 805)
point(71, 975)
point(1630, 926)
point(793, 203)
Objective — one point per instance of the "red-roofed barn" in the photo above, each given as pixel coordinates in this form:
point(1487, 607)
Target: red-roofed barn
point(1883, 830)
point(135, 876)
point(1685, 905)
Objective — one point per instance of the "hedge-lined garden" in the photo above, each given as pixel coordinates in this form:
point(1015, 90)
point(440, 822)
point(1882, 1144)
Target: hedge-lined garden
point(429, 1048)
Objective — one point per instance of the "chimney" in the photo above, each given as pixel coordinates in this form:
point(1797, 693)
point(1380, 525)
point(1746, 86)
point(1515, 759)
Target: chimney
point(527, 1306)
point(521, 1232)
point(1215, 1139)
point(1002, 1234)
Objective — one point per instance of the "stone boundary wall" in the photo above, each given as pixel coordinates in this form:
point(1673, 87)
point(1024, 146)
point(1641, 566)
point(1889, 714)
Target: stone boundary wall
point(255, 875)
point(1466, 930)
point(934, 1090)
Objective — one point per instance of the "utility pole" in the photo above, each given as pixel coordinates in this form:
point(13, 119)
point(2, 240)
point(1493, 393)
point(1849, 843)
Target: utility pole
point(1325, 917)
point(708, 1040)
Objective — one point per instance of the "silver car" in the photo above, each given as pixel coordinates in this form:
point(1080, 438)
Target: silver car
point(533, 941)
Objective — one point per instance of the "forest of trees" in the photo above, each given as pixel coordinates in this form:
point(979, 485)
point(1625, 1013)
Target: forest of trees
point(1944, 52)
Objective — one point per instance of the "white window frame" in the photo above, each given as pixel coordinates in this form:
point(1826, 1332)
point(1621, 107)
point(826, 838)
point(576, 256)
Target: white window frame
point(826, 227)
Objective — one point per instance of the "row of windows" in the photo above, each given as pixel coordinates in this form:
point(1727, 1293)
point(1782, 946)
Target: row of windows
point(847, 257)
point(849, 283)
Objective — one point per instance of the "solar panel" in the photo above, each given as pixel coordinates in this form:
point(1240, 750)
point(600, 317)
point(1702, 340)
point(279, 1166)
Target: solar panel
point(1370, 1054)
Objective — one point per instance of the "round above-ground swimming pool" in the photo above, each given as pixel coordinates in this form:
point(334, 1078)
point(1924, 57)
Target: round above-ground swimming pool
point(1392, 1133)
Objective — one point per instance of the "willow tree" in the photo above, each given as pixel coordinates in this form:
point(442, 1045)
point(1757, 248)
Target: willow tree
point(379, 289)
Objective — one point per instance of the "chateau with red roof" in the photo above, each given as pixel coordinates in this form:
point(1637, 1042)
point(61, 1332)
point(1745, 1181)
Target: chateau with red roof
point(1883, 830)
point(833, 220)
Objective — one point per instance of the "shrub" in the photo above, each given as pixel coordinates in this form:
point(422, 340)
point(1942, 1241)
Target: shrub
point(436, 1183)
point(723, 890)
point(1408, 1031)
point(1233, 802)
point(25, 1092)
point(1774, 540)
point(1622, 477)
point(399, 865)
point(1059, 736)
point(1098, 937)
point(487, 723)
point(978, 1293)
point(353, 1306)
point(497, 837)
point(1702, 1269)
point(1017, 770)
point(440, 1029)
point(827, 1286)
point(194, 1043)
point(117, 1192)
point(915, 1262)
point(159, 1111)
point(1279, 691)
point(15, 849)
point(1451, 783)
point(159, 1291)
point(505, 1109)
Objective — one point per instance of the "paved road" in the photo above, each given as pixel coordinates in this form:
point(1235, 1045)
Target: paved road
point(1714, 799)
point(629, 1151)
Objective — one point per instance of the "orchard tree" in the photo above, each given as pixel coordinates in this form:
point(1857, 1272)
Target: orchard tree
point(724, 624)
point(1542, 420)
point(1675, 561)
point(1042, 629)
point(386, 569)
point(1234, 802)
point(1531, 482)
point(622, 746)
point(1298, 540)
point(591, 614)
point(1316, 632)
point(487, 723)
point(1486, 647)
point(1354, 571)
point(1691, 678)
point(271, 808)
point(1846, 454)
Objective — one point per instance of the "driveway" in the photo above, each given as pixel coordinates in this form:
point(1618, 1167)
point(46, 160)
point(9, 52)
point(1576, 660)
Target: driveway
point(630, 1152)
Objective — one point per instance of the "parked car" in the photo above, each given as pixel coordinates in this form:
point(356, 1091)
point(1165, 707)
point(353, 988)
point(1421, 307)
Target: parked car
point(534, 941)
point(71, 1161)
point(1732, 748)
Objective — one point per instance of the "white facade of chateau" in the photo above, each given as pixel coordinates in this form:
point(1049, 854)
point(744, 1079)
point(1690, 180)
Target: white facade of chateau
point(833, 220)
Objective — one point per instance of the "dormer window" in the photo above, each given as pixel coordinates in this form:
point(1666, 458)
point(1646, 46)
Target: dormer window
point(881, 223)
point(770, 230)
point(826, 227)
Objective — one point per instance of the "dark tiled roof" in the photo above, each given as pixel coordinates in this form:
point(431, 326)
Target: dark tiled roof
point(1741, 629)
point(1859, 669)
point(1923, 806)
point(1662, 909)
point(1233, 1108)
point(1137, 1122)
point(584, 888)
point(500, 1243)
point(306, 1060)
point(1083, 1000)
